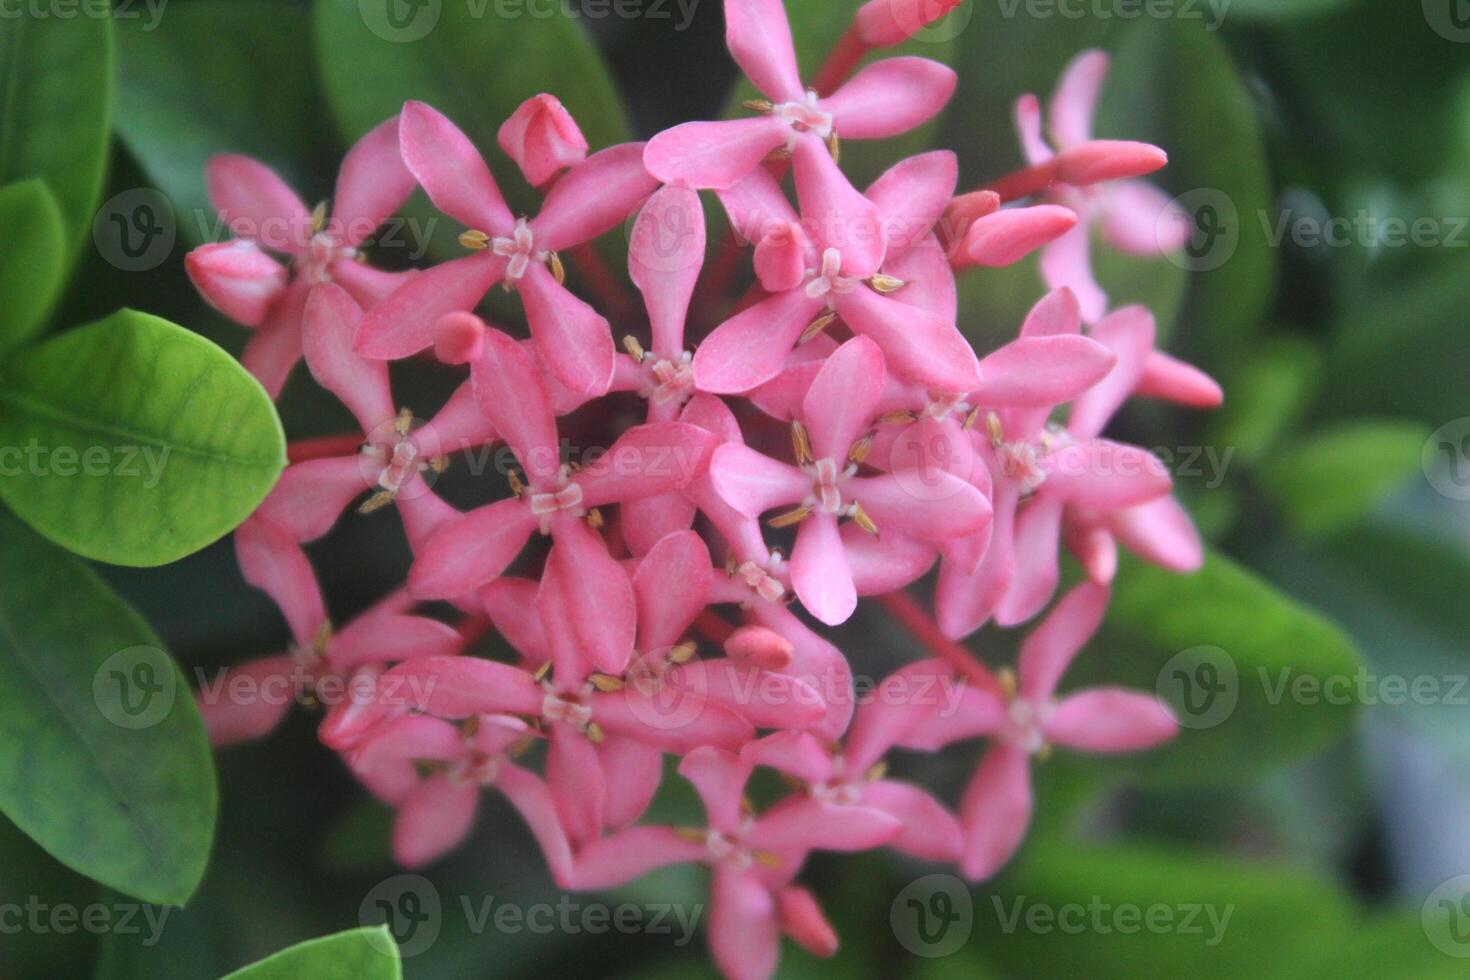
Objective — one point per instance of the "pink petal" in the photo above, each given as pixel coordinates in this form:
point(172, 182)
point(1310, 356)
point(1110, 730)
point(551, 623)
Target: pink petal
point(645, 461)
point(819, 571)
point(533, 800)
point(276, 346)
point(511, 605)
point(665, 255)
point(1108, 719)
point(799, 754)
point(403, 324)
point(996, 811)
point(509, 390)
point(766, 699)
point(451, 170)
point(1183, 384)
point(633, 770)
point(780, 257)
point(1050, 647)
point(744, 935)
point(372, 184)
point(1129, 334)
point(965, 600)
point(236, 278)
point(756, 206)
point(750, 348)
point(806, 823)
point(1099, 161)
point(1141, 219)
point(577, 783)
point(1028, 127)
point(678, 719)
point(1075, 100)
point(948, 507)
point(834, 213)
point(423, 514)
point(885, 23)
point(719, 778)
point(367, 285)
point(1038, 531)
point(572, 338)
point(1057, 313)
point(255, 203)
point(327, 333)
point(542, 138)
point(925, 269)
point(475, 548)
point(1095, 547)
point(1067, 262)
point(458, 337)
point(276, 565)
point(671, 586)
point(409, 737)
point(840, 402)
point(457, 687)
point(645, 521)
point(1105, 475)
point(1009, 235)
point(713, 155)
point(593, 197)
point(753, 483)
point(309, 497)
point(384, 638)
point(917, 346)
point(883, 564)
point(1161, 532)
point(890, 97)
point(1040, 372)
point(598, 596)
point(433, 820)
point(781, 397)
point(230, 719)
point(630, 854)
point(801, 918)
point(930, 832)
point(912, 195)
point(457, 426)
point(976, 713)
point(758, 646)
point(902, 700)
point(759, 39)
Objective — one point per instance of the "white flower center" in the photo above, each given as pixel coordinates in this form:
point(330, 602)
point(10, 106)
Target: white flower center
point(804, 116)
point(828, 280)
point(520, 248)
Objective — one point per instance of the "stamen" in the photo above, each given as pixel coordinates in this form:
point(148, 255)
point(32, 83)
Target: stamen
point(474, 240)
point(514, 479)
point(695, 835)
point(322, 638)
point(682, 653)
point(801, 444)
point(606, 683)
point(817, 326)
point(594, 733)
point(861, 519)
point(594, 518)
point(834, 147)
point(885, 283)
point(877, 771)
point(970, 420)
point(557, 269)
point(758, 105)
point(858, 451)
point(543, 671)
point(1006, 677)
point(790, 517)
point(403, 424)
point(635, 350)
point(994, 430)
point(899, 417)
point(376, 502)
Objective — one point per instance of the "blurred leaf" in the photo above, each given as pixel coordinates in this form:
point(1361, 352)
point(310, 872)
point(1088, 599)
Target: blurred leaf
point(1282, 9)
point(1387, 945)
point(1133, 911)
point(1333, 478)
point(357, 954)
point(1270, 392)
point(56, 86)
point(103, 757)
point(33, 263)
point(1232, 655)
point(143, 442)
point(183, 96)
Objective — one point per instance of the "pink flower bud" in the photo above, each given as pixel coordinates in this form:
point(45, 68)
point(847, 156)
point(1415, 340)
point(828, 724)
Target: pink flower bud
point(884, 23)
point(1010, 235)
point(1099, 160)
point(780, 262)
point(458, 337)
point(758, 646)
point(542, 138)
point(237, 278)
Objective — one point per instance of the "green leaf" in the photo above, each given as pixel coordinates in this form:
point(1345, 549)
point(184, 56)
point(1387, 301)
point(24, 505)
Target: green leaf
point(1283, 9)
point(57, 94)
point(357, 954)
point(33, 262)
point(1392, 944)
point(134, 441)
point(1269, 393)
point(1333, 478)
point(1134, 911)
point(103, 757)
point(183, 96)
point(1242, 665)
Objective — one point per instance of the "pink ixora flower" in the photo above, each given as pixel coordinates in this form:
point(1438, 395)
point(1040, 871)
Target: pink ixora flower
point(1026, 720)
point(591, 198)
point(397, 453)
point(249, 286)
point(754, 859)
point(884, 99)
point(815, 275)
point(1094, 179)
point(475, 548)
point(542, 138)
point(824, 485)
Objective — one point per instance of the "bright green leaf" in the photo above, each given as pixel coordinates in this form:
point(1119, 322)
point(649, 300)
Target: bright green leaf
point(34, 260)
point(183, 96)
point(1332, 479)
point(1256, 678)
point(357, 954)
point(55, 85)
point(1270, 392)
point(103, 757)
point(134, 441)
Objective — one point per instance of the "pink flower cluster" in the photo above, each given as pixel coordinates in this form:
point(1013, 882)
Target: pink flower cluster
point(648, 613)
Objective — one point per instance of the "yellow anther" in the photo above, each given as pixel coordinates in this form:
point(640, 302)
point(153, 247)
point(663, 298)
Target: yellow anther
point(403, 424)
point(594, 733)
point(790, 517)
point(696, 835)
point(900, 417)
point(834, 146)
point(376, 502)
point(543, 671)
point(1007, 680)
point(971, 419)
point(994, 430)
point(817, 326)
point(475, 241)
point(514, 479)
point(635, 350)
point(884, 283)
point(877, 771)
point(594, 518)
point(861, 519)
point(322, 637)
point(557, 269)
point(858, 451)
point(606, 683)
point(801, 444)
point(319, 217)
point(682, 653)
point(766, 859)
point(757, 105)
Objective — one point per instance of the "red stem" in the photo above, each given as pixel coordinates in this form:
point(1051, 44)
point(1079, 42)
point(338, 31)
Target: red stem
point(1026, 182)
point(904, 608)
point(841, 61)
point(713, 627)
point(324, 447)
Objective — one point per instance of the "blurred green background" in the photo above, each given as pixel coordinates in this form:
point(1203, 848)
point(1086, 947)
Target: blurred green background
point(1333, 485)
